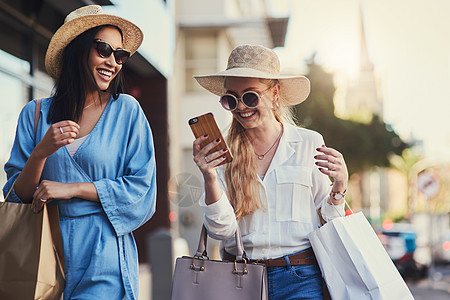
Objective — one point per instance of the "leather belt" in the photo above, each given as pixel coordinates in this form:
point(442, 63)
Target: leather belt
point(304, 258)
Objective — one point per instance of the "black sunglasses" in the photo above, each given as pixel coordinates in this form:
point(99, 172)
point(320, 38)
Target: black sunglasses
point(105, 50)
point(250, 99)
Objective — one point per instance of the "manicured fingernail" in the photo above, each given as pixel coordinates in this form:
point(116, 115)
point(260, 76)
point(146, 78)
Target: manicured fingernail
point(224, 149)
point(316, 163)
point(218, 140)
point(205, 135)
point(315, 156)
point(318, 149)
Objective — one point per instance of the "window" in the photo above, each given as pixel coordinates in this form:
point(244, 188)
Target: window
point(15, 90)
point(13, 95)
point(201, 57)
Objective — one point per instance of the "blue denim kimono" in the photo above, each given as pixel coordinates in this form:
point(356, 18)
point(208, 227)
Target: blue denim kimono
point(118, 156)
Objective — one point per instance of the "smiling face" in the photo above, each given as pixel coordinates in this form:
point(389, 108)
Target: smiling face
point(105, 69)
point(252, 117)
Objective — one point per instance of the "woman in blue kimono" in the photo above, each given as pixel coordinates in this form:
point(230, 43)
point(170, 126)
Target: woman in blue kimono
point(92, 155)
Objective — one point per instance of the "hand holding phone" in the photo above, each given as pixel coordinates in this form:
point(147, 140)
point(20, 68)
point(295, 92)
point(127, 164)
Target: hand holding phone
point(206, 125)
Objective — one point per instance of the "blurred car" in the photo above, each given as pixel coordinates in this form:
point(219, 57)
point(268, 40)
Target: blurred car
point(442, 250)
point(400, 243)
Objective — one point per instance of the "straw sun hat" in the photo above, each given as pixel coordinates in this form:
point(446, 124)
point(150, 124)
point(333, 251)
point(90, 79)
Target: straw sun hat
point(257, 62)
point(81, 20)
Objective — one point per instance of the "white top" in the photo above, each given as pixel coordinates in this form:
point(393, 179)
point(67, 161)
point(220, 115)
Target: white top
point(75, 145)
point(292, 191)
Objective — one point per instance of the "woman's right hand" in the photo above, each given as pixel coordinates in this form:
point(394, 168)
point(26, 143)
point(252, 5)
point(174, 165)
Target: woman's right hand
point(207, 162)
point(58, 135)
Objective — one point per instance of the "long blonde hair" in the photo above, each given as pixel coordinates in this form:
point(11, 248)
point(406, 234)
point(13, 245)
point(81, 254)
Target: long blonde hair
point(240, 175)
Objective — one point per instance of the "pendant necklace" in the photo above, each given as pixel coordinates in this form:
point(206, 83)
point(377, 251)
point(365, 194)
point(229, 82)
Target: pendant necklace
point(261, 156)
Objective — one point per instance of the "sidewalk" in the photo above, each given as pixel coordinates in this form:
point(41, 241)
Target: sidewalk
point(431, 289)
point(424, 293)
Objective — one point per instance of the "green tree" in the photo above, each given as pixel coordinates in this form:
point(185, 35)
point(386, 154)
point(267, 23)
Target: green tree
point(363, 145)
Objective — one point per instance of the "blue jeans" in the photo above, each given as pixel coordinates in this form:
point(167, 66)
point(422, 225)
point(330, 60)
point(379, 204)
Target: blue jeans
point(295, 282)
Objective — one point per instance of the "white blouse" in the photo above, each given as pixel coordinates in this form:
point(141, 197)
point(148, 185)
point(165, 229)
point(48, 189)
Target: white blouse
point(292, 191)
point(75, 145)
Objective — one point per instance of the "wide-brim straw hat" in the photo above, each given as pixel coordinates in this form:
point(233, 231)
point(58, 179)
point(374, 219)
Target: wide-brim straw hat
point(81, 20)
point(255, 61)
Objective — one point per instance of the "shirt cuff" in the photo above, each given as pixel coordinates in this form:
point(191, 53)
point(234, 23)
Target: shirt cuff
point(330, 212)
point(218, 209)
point(12, 197)
point(219, 218)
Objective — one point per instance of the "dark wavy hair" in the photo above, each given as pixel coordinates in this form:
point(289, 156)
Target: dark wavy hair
point(69, 93)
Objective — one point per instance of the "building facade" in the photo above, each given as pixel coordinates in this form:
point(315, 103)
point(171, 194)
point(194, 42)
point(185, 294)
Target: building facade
point(380, 190)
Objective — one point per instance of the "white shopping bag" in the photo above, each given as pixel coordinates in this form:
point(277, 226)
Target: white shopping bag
point(354, 263)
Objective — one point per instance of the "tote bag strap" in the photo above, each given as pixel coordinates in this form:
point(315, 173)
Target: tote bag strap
point(37, 113)
point(4, 201)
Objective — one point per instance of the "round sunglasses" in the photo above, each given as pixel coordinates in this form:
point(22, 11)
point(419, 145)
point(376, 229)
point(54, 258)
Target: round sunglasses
point(250, 99)
point(105, 50)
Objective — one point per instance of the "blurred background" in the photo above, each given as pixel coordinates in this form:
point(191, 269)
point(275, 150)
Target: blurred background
point(379, 71)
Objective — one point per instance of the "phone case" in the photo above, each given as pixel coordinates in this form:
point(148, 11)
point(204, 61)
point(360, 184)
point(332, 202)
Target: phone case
point(206, 124)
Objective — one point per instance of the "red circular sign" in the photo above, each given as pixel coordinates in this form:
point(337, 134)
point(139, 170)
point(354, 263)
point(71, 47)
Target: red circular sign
point(428, 184)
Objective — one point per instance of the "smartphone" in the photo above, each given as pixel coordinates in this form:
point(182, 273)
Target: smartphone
point(206, 124)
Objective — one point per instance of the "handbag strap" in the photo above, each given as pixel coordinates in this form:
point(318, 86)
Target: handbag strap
point(201, 249)
point(37, 113)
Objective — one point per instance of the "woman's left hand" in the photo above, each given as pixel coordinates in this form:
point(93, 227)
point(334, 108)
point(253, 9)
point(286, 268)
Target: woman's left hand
point(331, 163)
point(50, 190)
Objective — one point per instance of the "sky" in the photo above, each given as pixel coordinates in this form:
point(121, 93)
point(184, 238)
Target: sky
point(409, 44)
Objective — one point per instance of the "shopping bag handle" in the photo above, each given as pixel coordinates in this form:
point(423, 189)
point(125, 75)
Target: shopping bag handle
point(201, 249)
point(4, 201)
point(346, 203)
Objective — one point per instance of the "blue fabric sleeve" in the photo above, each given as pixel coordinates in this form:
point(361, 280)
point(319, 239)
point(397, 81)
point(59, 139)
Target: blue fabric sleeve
point(21, 150)
point(130, 200)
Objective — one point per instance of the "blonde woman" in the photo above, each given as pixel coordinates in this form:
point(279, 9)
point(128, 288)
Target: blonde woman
point(279, 178)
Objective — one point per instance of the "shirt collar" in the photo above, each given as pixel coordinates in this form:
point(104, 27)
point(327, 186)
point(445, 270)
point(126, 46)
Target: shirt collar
point(291, 134)
point(285, 148)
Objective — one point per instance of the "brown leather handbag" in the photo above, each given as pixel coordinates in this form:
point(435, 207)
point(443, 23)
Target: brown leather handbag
point(200, 278)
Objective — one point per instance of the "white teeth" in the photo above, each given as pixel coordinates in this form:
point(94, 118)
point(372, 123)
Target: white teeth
point(106, 73)
point(247, 114)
